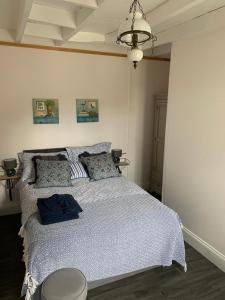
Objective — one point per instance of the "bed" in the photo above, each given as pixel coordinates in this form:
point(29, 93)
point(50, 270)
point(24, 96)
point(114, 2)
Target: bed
point(122, 229)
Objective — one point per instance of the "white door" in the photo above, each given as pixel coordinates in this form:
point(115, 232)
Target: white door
point(158, 145)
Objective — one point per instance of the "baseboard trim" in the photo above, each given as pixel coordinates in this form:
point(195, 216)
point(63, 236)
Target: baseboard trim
point(208, 251)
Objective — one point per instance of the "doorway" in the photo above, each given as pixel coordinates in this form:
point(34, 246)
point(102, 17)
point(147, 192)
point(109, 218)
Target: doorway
point(159, 128)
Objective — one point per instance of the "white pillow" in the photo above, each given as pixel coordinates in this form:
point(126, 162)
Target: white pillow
point(73, 152)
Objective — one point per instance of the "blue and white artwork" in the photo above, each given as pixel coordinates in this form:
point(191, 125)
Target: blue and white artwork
point(45, 111)
point(87, 110)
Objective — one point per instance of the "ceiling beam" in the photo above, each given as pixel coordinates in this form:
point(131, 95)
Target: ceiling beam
point(84, 3)
point(44, 31)
point(25, 8)
point(52, 15)
point(82, 17)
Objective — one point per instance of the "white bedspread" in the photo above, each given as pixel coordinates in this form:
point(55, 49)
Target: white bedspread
point(122, 229)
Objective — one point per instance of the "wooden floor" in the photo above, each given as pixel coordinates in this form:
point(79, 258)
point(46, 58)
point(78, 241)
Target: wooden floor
point(11, 265)
point(202, 280)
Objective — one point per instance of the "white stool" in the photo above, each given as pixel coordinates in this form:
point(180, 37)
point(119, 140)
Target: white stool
point(64, 284)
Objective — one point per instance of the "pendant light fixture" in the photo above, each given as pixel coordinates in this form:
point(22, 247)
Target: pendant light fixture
point(134, 32)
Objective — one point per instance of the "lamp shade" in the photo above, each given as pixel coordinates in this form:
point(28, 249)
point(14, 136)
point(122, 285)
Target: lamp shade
point(141, 28)
point(9, 163)
point(116, 154)
point(135, 55)
point(125, 27)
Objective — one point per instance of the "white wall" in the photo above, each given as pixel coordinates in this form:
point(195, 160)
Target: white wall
point(149, 79)
point(194, 170)
point(31, 73)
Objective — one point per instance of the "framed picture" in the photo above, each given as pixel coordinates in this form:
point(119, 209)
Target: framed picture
point(45, 111)
point(87, 110)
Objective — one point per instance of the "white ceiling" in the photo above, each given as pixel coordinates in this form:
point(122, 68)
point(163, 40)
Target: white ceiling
point(70, 23)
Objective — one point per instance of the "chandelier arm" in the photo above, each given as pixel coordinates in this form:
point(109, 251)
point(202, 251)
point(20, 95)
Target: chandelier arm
point(149, 36)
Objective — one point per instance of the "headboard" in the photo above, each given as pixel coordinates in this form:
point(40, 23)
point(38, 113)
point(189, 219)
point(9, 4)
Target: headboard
point(51, 150)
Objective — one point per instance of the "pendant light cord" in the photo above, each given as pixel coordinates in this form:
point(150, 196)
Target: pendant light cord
point(134, 9)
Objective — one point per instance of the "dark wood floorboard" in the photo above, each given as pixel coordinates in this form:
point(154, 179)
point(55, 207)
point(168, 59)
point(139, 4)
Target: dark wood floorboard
point(202, 281)
point(11, 265)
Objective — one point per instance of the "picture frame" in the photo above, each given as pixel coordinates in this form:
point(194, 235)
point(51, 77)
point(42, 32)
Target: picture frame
point(87, 110)
point(45, 111)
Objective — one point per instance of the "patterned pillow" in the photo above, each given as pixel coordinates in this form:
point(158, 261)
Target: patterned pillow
point(87, 154)
point(73, 152)
point(53, 173)
point(49, 158)
point(28, 166)
point(101, 166)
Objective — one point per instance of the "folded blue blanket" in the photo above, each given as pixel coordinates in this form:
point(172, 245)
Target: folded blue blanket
point(58, 208)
